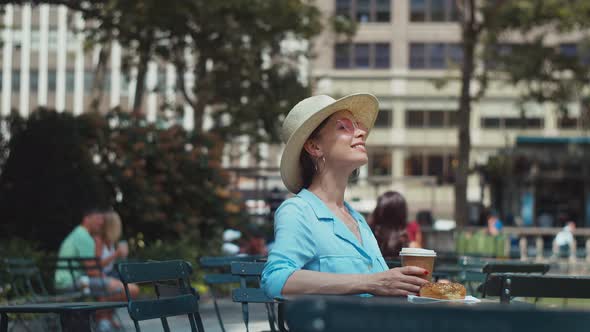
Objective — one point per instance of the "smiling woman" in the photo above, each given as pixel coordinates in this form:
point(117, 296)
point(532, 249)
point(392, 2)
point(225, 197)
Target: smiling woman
point(323, 246)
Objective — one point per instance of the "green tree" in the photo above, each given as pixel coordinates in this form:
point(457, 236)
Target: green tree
point(236, 51)
point(48, 179)
point(163, 180)
point(544, 71)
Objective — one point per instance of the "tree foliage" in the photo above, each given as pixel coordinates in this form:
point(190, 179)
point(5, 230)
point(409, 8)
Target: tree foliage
point(162, 180)
point(48, 179)
point(243, 56)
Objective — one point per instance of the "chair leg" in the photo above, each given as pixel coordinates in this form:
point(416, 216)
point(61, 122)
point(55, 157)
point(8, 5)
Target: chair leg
point(281, 318)
point(217, 311)
point(165, 324)
point(270, 312)
point(200, 326)
point(245, 315)
point(3, 322)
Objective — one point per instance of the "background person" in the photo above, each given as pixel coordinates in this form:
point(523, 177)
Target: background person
point(389, 223)
point(105, 244)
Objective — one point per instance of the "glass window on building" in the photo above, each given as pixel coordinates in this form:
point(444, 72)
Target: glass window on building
point(343, 7)
point(380, 163)
point(534, 123)
point(382, 55)
point(567, 122)
point(452, 119)
point(415, 119)
point(451, 163)
point(417, 55)
point(383, 11)
point(435, 166)
point(414, 164)
point(453, 11)
point(433, 11)
point(15, 80)
point(418, 10)
point(364, 55)
point(455, 54)
point(513, 123)
point(384, 118)
point(569, 50)
point(342, 55)
point(363, 11)
point(70, 77)
point(51, 80)
point(34, 80)
point(437, 10)
point(490, 122)
point(361, 56)
point(436, 56)
point(436, 119)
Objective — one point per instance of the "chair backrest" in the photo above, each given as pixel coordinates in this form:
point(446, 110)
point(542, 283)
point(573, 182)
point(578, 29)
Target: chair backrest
point(245, 294)
point(173, 292)
point(508, 285)
point(516, 267)
point(511, 267)
point(26, 280)
point(368, 315)
point(223, 265)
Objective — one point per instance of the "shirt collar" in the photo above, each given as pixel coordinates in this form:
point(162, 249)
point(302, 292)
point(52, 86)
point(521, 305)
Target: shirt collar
point(319, 207)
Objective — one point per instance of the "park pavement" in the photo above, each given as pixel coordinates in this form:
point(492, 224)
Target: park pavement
point(230, 312)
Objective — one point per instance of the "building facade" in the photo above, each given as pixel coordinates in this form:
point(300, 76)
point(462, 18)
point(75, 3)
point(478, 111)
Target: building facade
point(45, 63)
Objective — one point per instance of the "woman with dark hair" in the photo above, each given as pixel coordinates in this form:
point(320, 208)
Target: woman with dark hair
point(389, 223)
point(322, 245)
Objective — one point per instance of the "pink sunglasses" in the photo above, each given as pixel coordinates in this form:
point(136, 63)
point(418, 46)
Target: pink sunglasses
point(350, 126)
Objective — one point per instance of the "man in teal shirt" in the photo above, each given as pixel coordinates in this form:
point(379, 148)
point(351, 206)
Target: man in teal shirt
point(79, 244)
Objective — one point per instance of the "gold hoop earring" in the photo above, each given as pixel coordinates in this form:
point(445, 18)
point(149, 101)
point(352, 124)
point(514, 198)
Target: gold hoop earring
point(323, 164)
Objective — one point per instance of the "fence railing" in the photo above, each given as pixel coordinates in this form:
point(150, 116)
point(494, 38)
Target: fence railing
point(524, 233)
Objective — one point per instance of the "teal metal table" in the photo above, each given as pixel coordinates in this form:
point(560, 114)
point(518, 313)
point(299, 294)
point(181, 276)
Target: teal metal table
point(74, 316)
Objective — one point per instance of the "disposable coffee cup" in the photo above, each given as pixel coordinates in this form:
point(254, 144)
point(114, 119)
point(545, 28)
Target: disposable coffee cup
point(419, 257)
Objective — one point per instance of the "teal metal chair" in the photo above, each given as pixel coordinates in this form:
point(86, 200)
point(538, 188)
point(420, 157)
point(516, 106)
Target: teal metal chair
point(508, 286)
point(511, 267)
point(246, 295)
point(221, 275)
point(28, 285)
point(174, 294)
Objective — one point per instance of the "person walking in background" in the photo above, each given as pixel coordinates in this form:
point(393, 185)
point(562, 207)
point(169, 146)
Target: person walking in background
point(322, 245)
point(389, 223)
point(564, 243)
point(494, 223)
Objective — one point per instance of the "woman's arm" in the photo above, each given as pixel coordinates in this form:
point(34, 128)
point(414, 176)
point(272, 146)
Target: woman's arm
point(395, 282)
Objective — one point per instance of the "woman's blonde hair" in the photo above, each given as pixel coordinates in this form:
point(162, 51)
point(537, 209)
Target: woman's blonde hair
point(112, 227)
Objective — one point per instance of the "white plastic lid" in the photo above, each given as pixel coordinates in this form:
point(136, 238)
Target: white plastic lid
point(417, 252)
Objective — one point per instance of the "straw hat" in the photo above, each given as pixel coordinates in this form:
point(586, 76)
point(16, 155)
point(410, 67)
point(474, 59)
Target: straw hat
point(306, 116)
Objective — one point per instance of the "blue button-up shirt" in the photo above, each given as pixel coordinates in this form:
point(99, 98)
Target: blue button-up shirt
point(309, 236)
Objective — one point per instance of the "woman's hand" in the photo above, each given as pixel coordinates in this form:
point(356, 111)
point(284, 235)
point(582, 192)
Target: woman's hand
point(401, 281)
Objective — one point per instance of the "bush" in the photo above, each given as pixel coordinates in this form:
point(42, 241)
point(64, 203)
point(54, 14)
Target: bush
point(166, 183)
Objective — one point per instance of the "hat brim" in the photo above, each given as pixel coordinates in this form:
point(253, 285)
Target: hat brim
point(363, 106)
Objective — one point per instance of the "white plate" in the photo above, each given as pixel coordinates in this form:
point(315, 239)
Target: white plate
point(422, 299)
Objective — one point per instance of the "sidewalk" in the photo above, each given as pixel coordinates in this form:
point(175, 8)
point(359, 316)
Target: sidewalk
point(231, 314)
